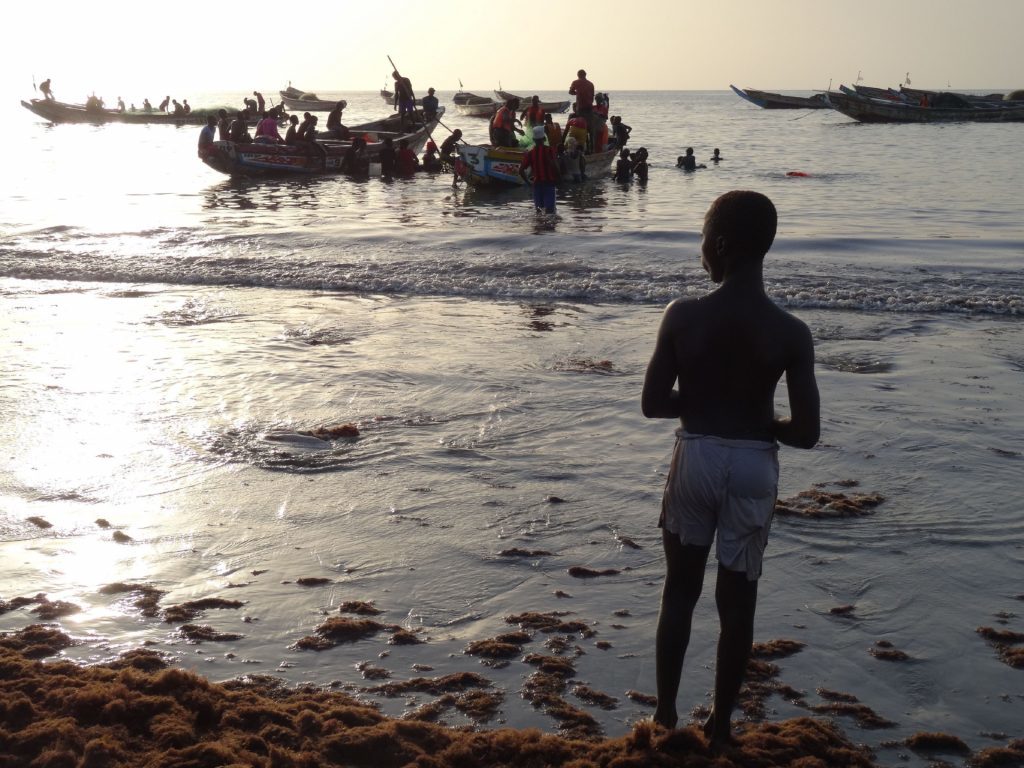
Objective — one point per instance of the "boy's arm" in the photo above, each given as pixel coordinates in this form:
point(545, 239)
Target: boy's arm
point(659, 400)
point(801, 429)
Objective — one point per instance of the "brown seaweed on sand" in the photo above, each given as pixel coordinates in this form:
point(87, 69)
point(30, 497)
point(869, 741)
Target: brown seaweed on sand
point(847, 704)
point(504, 646)
point(582, 572)
point(884, 650)
point(816, 503)
point(937, 742)
point(359, 607)
point(189, 610)
point(646, 699)
point(1008, 645)
point(20, 602)
point(550, 622)
point(148, 596)
point(456, 682)
point(776, 649)
point(336, 630)
point(313, 581)
point(37, 641)
point(597, 698)
point(1010, 756)
point(39, 522)
point(95, 716)
point(402, 636)
point(198, 633)
point(48, 610)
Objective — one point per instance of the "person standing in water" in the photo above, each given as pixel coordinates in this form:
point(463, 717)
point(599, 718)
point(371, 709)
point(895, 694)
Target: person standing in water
point(727, 351)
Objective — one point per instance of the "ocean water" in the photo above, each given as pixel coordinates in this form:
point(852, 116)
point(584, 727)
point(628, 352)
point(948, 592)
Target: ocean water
point(168, 332)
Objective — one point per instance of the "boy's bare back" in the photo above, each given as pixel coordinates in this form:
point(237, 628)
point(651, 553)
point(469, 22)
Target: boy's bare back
point(728, 350)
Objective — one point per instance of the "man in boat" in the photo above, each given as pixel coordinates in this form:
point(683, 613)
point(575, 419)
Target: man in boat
point(576, 128)
point(405, 102)
point(44, 88)
point(430, 106)
point(165, 103)
point(239, 131)
point(293, 130)
point(207, 134)
point(727, 351)
point(120, 104)
point(533, 115)
point(177, 109)
point(540, 160)
point(503, 125)
point(261, 103)
point(146, 106)
point(186, 108)
point(223, 125)
point(335, 130)
point(553, 131)
point(583, 90)
point(266, 131)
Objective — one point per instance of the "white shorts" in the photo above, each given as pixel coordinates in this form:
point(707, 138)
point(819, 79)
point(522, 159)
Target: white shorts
point(726, 485)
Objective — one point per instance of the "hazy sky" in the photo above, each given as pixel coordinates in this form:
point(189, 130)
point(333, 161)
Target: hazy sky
point(180, 47)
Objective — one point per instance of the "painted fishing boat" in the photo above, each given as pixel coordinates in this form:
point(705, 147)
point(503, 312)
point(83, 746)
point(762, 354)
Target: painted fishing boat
point(767, 100)
point(485, 165)
point(318, 158)
point(868, 110)
point(548, 106)
point(61, 112)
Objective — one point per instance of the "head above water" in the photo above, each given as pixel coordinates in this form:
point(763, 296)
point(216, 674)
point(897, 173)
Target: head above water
point(739, 228)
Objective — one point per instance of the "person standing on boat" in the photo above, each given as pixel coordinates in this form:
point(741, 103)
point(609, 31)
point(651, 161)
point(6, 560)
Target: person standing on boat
point(430, 105)
point(533, 115)
point(207, 134)
point(165, 103)
point(583, 90)
point(405, 103)
point(261, 103)
point(120, 104)
point(503, 125)
point(543, 164)
point(44, 88)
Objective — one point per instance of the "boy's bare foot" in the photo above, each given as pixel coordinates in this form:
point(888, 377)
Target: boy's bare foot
point(720, 739)
point(666, 720)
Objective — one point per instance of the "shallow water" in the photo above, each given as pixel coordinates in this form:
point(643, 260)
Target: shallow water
point(169, 332)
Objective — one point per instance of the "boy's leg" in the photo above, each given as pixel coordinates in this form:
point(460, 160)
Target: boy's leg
point(684, 578)
point(736, 598)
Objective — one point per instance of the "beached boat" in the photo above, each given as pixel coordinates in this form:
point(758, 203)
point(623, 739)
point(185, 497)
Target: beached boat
point(499, 166)
point(767, 100)
point(869, 110)
point(548, 106)
point(61, 112)
point(322, 157)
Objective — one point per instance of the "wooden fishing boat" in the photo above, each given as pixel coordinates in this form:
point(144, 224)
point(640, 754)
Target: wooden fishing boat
point(321, 157)
point(548, 106)
point(499, 166)
point(767, 100)
point(465, 97)
point(310, 102)
point(868, 110)
point(476, 106)
point(61, 112)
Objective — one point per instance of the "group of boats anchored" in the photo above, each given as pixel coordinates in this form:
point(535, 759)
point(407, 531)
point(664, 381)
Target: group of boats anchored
point(869, 104)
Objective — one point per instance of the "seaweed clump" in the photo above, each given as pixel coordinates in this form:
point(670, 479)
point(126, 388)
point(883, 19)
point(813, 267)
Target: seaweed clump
point(337, 630)
point(550, 622)
point(100, 716)
point(816, 503)
point(1009, 645)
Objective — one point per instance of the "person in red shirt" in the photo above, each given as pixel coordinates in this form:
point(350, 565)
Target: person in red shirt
point(583, 90)
point(543, 164)
point(406, 161)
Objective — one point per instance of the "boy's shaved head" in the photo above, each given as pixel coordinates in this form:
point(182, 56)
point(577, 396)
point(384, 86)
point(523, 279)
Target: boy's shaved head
point(747, 220)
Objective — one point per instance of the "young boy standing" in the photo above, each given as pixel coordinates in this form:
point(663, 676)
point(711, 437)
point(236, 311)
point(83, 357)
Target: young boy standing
point(727, 351)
